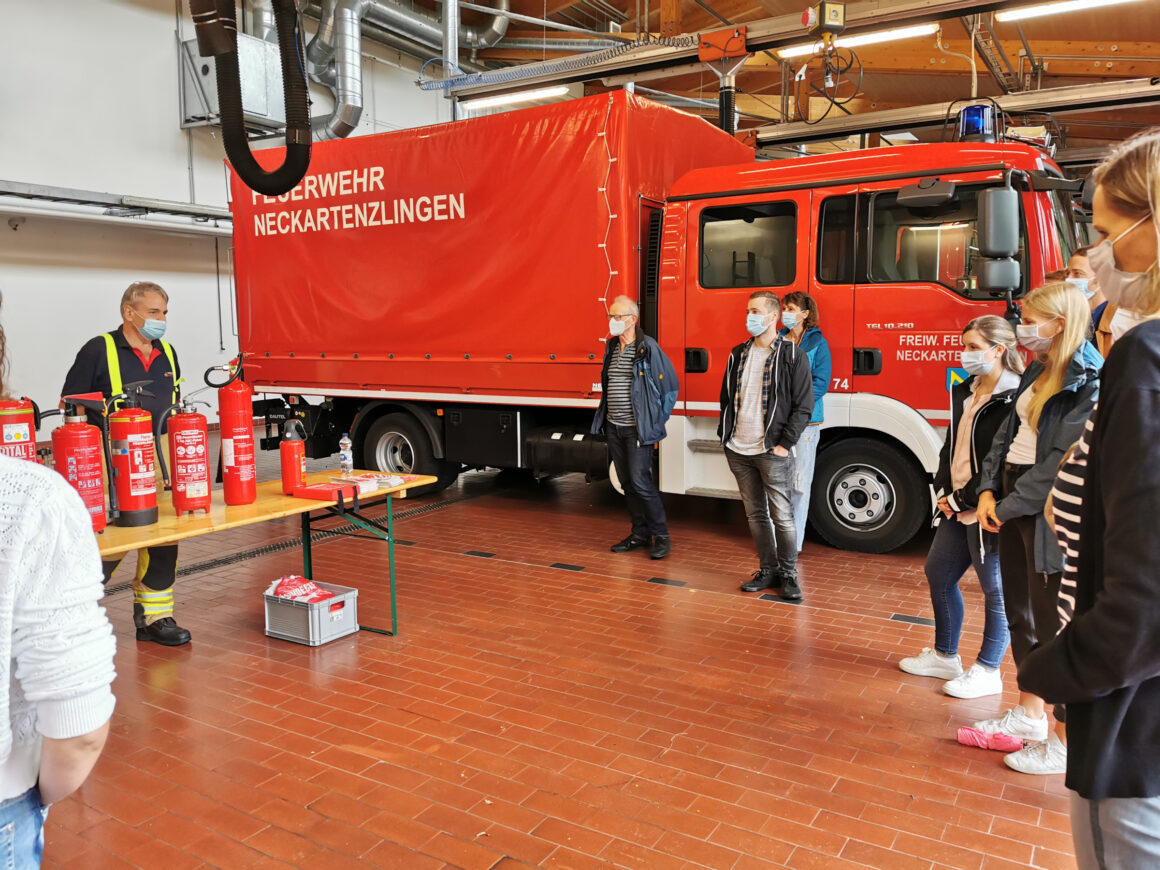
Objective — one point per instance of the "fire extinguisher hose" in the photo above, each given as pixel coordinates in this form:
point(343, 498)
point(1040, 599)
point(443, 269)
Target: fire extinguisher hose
point(236, 364)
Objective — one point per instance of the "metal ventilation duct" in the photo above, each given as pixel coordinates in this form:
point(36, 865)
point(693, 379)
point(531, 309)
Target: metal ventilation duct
point(334, 55)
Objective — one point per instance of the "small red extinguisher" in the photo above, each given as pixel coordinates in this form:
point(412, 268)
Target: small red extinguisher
point(19, 420)
point(188, 456)
point(236, 416)
point(293, 454)
point(132, 466)
point(76, 454)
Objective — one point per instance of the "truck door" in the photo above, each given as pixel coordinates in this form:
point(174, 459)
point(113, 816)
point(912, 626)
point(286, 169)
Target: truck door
point(735, 247)
point(915, 297)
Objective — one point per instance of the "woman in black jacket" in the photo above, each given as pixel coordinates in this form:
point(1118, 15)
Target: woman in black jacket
point(978, 407)
point(1105, 663)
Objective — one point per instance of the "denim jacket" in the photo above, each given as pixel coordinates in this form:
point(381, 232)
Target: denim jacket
point(654, 389)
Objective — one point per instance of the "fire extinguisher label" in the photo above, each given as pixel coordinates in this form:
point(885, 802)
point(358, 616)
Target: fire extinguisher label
point(228, 451)
point(198, 489)
point(141, 473)
point(17, 433)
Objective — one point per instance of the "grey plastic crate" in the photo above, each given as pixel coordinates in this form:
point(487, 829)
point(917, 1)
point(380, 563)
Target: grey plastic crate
point(313, 623)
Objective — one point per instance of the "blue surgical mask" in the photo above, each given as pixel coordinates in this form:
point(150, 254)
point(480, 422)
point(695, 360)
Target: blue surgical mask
point(756, 324)
point(976, 362)
point(1083, 285)
point(789, 319)
point(151, 329)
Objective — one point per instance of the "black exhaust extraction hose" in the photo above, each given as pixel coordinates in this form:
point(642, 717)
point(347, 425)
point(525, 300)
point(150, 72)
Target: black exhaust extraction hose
point(217, 28)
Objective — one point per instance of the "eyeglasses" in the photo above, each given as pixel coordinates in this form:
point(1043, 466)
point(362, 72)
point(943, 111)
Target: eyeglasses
point(621, 316)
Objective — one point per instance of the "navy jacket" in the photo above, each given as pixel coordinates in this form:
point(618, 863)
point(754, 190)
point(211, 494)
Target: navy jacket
point(654, 389)
point(1060, 426)
point(1105, 664)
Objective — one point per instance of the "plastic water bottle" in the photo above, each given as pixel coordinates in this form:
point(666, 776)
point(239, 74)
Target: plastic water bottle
point(345, 454)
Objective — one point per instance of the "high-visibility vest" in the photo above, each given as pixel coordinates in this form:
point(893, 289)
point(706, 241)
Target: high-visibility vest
point(116, 385)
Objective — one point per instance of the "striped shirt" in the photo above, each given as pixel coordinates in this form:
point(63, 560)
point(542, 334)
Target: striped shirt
point(620, 385)
point(1067, 510)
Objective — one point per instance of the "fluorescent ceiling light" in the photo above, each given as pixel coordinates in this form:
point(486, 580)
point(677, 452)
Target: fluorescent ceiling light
point(1054, 9)
point(520, 97)
point(863, 39)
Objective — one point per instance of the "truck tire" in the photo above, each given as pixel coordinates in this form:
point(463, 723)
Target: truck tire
point(398, 444)
point(868, 496)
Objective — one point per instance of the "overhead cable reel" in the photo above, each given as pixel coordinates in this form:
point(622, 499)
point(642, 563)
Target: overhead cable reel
point(217, 37)
point(839, 65)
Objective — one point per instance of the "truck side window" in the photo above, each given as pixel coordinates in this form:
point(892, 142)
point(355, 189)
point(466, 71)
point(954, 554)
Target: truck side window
point(836, 240)
point(934, 245)
point(752, 245)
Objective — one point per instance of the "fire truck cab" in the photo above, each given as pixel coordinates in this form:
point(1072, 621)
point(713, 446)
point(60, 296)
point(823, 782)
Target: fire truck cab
point(888, 241)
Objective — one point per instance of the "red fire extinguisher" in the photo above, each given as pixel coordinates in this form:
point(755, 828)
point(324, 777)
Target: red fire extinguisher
point(19, 420)
point(236, 416)
point(76, 454)
point(188, 456)
point(131, 446)
point(293, 453)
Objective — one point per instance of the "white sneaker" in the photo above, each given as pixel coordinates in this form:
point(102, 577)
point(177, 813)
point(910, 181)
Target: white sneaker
point(1016, 723)
point(932, 664)
point(977, 682)
point(1044, 757)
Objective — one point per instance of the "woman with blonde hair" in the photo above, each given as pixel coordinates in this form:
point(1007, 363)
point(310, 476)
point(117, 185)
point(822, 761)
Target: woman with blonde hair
point(1054, 399)
point(1105, 662)
point(979, 406)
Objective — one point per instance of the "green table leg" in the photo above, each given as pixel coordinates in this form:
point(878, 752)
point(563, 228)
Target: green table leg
point(391, 563)
point(307, 560)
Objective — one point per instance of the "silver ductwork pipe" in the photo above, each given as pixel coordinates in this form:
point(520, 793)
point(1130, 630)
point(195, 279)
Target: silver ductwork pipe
point(573, 45)
point(262, 20)
point(334, 55)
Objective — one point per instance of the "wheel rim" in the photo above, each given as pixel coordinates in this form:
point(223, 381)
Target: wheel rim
point(395, 454)
point(860, 497)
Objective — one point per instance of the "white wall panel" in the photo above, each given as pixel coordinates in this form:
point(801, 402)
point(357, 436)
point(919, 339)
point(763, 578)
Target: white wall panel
point(89, 91)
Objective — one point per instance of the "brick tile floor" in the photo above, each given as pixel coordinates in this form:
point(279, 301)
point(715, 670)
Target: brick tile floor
point(537, 716)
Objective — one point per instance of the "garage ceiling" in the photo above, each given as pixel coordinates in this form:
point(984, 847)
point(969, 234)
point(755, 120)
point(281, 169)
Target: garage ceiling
point(1106, 44)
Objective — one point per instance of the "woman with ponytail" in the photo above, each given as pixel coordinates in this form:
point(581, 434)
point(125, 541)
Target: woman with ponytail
point(979, 406)
point(1105, 662)
point(1055, 397)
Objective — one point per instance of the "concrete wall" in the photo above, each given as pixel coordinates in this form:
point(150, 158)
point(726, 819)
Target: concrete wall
point(89, 91)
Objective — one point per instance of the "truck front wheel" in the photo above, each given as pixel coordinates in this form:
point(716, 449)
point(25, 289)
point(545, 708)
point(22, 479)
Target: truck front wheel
point(867, 496)
point(398, 444)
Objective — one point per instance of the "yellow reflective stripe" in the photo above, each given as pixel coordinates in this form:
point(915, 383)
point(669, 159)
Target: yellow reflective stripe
point(115, 385)
point(172, 366)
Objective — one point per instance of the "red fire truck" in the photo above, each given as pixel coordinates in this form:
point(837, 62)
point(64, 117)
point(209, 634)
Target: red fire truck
point(440, 293)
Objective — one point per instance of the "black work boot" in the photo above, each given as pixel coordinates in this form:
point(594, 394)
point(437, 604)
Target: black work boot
point(632, 542)
point(790, 590)
point(164, 631)
point(762, 578)
point(661, 547)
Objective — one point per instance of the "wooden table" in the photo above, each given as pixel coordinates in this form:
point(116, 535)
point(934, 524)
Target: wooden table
point(271, 504)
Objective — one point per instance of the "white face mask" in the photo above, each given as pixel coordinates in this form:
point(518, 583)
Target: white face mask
point(789, 319)
point(1029, 337)
point(616, 327)
point(1122, 321)
point(976, 362)
point(1122, 289)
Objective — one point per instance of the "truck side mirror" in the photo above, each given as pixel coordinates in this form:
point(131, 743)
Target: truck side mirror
point(1089, 192)
point(998, 236)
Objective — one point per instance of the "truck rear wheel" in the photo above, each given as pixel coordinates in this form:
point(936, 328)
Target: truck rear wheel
point(398, 444)
point(867, 497)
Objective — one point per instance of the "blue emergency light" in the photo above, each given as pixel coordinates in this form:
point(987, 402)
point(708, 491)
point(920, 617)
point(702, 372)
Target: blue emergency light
point(977, 124)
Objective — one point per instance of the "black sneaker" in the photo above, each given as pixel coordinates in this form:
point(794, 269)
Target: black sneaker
point(661, 547)
point(632, 542)
point(790, 591)
point(164, 631)
point(762, 578)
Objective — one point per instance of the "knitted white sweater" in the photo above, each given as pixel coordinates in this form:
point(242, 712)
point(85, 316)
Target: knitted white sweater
point(56, 644)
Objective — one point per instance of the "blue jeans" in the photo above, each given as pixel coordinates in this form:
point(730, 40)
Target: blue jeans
point(764, 482)
point(22, 831)
point(805, 453)
point(633, 462)
point(953, 551)
point(1116, 833)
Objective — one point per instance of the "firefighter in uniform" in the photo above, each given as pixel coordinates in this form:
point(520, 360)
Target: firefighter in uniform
point(135, 352)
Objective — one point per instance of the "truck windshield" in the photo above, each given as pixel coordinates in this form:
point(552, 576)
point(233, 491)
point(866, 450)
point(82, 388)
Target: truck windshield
point(934, 244)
